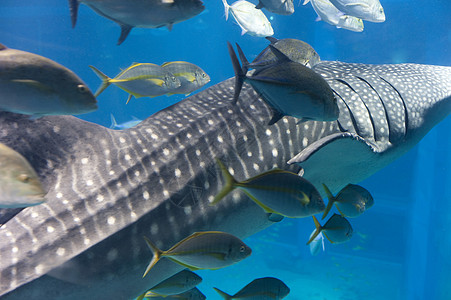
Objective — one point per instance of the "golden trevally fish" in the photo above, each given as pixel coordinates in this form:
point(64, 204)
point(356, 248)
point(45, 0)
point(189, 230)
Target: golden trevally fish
point(337, 229)
point(276, 191)
point(139, 13)
point(140, 80)
point(35, 85)
point(179, 283)
point(351, 201)
point(191, 76)
point(20, 186)
point(266, 288)
point(203, 250)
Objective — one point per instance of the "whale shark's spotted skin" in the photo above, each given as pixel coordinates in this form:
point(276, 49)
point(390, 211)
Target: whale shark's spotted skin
point(109, 188)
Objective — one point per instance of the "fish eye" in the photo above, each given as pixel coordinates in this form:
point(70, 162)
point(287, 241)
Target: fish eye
point(24, 178)
point(204, 75)
point(82, 88)
point(174, 79)
point(242, 248)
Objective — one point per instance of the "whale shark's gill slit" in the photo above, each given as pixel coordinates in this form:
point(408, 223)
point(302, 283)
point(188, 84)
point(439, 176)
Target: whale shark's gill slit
point(373, 126)
point(382, 102)
point(406, 115)
point(353, 120)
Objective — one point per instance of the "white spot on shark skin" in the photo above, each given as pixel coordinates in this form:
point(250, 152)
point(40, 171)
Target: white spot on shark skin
point(187, 210)
point(34, 215)
point(198, 152)
point(154, 229)
point(111, 220)
point(122, 140)
point(89, 182)
point(59, 195)
point(86, 241)
point(220, 139)
point(60, 251)
point(137, 173)
point(56, 129)
point(256, 167)
point(249, 153)
point(275, 153)
point(112, 255)
point(154, 136)
point(100, 198)
point(304, 142)
point(177, 173)
point(231, 171)
point(107, 152)
point(127, 157)
point(15, 249)
point(165, 193)
point(268, 132)
point(133, 215)
point(111, 172)
point(166, 151)
point(50, 229)
point(84, 160)
point(39, 269)
point(210, 122)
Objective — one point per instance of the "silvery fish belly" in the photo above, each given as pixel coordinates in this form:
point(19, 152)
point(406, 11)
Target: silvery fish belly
point(108, 189)
point(369, 10)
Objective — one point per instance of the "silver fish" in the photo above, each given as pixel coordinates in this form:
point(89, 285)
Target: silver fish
point(19, 184)
point(193, 294)
point(140, 80)
point(281, 7)
point(250, 19)
point(368, 10)
point(191, 76)
point(109, 188)
point(290, 88)
point(128, 124)
point(35, 85)
point(317, 243)
point(266, 288)
point(138, 13)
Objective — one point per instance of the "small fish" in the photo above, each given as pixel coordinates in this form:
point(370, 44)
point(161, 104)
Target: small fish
point(179, 283)
point(368, 10)
point(250, 19)
point(296, 50)
point(317, 244)
point(191, 76)
point(128, 124)
point(337, 230)
point(276, 191)
point(193, 294)
point(266, 288)
point(350, 23)
point(289, 88)
point(19, 184)
point(139, 13)
point(328, 13)
point(203, 250)
point(33, 85)
point(351, 201)
point(281, 7)
point(140, 80)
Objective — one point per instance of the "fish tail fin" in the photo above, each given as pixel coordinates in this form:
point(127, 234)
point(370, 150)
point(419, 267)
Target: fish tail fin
point(73, 7)
point(330, 203)
point(156, 255)
point(223, 294)
point(105, 80)
point(243, 59)
point(226, 9)
point(317, 231)
point(239, 74)
point(229, 184)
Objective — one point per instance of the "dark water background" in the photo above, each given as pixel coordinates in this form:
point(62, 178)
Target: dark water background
point(401, 247)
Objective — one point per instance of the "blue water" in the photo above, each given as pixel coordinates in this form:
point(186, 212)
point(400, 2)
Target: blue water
point(400, 248)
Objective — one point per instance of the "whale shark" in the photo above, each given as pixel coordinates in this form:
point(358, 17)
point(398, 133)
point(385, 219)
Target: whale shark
point(109, 188)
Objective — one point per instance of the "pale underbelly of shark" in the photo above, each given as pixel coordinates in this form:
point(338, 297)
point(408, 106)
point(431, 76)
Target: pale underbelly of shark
point(108, 189)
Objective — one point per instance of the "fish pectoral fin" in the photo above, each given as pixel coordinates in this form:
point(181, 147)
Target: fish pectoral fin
point(357, 4)
point(218, 255)
point(340, 153)
point(43, 88)
point(264, 207)
point(125, 30)
point(190, 267)
point(156, 81)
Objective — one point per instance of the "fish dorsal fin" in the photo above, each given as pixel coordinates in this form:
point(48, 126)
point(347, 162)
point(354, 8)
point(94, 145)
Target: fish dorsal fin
point(280, 56)
point(3, 47)
point(125, 30)
point(272, 40)
point(342, 154)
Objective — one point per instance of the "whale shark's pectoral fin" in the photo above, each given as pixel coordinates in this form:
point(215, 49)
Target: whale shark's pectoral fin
point(341, 154)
